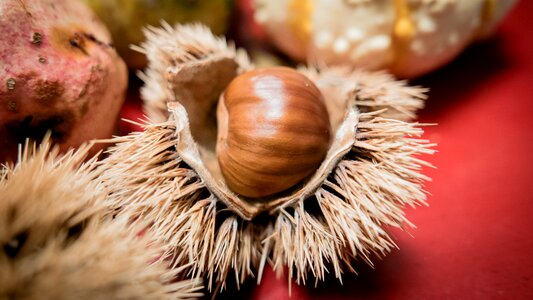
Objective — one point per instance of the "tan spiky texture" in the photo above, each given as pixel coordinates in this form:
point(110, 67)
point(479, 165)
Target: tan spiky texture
point(180, 47)
point(56, 243)
point(375, 91)
point(343, 221)
point(324, 231)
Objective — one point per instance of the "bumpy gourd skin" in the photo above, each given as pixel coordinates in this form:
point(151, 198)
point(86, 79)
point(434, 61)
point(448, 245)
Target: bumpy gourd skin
point(59, 71)
point(273, 131)
point(126, 19)
point(406, 37)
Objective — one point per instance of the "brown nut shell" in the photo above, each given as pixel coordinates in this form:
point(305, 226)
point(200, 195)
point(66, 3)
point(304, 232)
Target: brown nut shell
point(273, 131)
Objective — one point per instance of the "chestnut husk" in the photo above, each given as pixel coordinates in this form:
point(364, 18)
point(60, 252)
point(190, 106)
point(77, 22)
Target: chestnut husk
point(59, 243)
point(168, 175)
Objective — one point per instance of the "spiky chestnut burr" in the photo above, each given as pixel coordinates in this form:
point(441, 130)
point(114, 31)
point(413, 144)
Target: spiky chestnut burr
point(56, 241)
point(169, 175)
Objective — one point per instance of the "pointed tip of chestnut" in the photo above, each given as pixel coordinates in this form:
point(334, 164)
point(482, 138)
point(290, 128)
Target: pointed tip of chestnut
point(273, 131)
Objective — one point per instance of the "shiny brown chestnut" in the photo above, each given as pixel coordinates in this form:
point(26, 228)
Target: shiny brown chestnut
point(273, 131)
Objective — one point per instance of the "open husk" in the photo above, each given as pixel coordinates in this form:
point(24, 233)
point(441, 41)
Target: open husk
point(167, 175)
point(58, 245)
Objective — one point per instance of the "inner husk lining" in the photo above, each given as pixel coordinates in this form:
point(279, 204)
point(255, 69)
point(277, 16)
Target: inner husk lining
point(193, 111)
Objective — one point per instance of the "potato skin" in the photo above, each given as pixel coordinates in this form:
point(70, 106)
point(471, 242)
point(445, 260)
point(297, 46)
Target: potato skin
point(59, 71)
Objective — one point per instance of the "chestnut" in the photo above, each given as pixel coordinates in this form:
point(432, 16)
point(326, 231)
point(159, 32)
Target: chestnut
point(270, 121)
point(273, 131)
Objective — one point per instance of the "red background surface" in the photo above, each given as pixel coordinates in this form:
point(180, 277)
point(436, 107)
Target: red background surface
point(475, 240)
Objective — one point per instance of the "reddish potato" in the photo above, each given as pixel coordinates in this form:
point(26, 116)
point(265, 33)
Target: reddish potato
point(58, 72)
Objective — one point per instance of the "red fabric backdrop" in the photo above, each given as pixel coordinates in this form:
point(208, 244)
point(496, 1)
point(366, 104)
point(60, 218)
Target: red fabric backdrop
point(475, 239)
